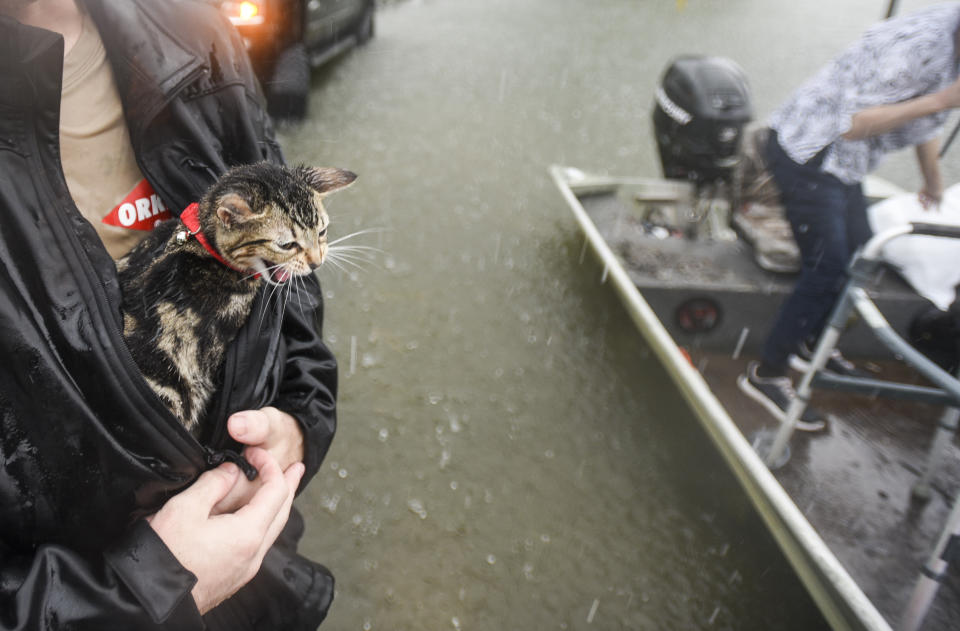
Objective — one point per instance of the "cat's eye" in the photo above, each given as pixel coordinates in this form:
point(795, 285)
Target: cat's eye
point(323, 232)
point(287, 245)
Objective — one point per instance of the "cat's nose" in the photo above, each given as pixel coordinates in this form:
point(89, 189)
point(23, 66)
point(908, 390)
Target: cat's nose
point(315, 257)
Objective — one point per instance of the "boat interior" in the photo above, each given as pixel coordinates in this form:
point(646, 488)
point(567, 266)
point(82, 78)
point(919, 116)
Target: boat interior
point(879, 486)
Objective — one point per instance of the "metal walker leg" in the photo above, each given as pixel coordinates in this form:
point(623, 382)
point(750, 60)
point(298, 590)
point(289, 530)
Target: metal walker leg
point(946, 431)
point(947, 549)
point(825, 345)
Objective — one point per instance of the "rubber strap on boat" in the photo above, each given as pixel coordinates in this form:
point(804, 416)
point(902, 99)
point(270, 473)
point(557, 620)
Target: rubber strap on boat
point(933, 576)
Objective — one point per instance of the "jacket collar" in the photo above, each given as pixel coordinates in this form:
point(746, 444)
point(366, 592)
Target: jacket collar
point(149, 60)
point(31, 67)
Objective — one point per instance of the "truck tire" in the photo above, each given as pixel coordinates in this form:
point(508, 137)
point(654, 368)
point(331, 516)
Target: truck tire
point(288, 88)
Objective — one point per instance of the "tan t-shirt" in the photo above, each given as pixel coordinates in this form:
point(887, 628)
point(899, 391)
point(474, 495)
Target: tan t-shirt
point(96, 153)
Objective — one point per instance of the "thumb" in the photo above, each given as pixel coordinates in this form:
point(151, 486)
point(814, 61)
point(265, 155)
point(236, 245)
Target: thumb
point(212, 486)
point(250, 427)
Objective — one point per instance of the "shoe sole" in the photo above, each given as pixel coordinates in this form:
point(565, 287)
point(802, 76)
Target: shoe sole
point(804, 426)
point(798, 363)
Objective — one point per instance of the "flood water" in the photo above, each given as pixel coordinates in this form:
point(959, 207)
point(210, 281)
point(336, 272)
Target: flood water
point(510, 455)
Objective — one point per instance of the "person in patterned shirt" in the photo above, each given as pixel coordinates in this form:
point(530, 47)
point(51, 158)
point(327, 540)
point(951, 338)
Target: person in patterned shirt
point(891, 89)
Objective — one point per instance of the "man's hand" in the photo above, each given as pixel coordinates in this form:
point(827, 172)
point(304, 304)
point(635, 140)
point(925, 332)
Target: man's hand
point(928, 157)
point(224, 551)
point(930, 200)
point(269, 429)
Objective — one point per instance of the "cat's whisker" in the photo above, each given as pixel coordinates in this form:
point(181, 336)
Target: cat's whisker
point(336, 264)
point(350, 260)
point(361, 256)
point(349, 253)
point(357, 262)
point(370, 248)
point(296, 287)
point(354, 234)
point(267, 301)
point(263, 311)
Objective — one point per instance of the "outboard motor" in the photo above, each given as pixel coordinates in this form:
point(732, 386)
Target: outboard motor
point(702, 106)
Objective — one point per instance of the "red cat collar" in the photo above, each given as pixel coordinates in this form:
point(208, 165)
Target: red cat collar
point(189, 218)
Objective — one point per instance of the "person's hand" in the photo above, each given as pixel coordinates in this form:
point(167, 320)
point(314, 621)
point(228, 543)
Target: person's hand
point(930, 196)
point(267, 428)
point(224, 551)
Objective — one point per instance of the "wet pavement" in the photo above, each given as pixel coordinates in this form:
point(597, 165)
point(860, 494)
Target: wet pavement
point(510, 455)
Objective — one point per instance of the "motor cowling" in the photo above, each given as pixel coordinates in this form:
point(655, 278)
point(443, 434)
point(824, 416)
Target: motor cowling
point(701, 107)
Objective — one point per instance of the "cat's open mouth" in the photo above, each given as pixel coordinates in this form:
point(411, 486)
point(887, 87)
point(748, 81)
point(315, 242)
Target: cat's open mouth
point(280, 275)
point(273, 273)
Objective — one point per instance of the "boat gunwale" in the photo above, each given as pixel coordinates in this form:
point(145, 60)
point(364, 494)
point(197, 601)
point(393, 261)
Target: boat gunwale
point(840, 599)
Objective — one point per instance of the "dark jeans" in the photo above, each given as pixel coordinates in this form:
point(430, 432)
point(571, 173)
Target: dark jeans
point(829, 223)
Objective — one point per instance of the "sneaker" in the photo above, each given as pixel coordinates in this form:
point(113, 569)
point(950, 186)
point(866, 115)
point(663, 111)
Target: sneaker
point(836, 363)
point(775, 394)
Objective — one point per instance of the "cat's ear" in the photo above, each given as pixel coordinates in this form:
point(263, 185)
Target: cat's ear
point(233, 209)
point(326, 180)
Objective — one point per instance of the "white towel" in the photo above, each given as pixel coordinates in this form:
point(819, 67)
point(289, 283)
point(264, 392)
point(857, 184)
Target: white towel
point(930, 264)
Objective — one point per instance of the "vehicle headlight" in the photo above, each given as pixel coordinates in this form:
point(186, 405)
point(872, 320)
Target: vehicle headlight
point(245, 13)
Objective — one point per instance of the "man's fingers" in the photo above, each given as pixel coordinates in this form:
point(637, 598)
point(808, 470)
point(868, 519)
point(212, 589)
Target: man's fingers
point(292, 477)
point(273, 492)
point(928, 202)
point(242, 490)
point(212, 486)
point(250, 427)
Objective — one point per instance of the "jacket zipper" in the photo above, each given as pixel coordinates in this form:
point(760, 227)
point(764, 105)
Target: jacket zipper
point(99, 310)
point(212, 457)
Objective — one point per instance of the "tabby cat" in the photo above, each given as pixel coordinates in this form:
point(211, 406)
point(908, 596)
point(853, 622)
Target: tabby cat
point(189, 286)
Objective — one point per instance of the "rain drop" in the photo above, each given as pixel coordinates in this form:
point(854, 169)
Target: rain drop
point(416, 507)
point(330, 503)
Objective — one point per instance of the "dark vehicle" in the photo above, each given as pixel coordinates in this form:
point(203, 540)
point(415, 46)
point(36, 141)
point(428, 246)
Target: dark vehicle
point(285, 38)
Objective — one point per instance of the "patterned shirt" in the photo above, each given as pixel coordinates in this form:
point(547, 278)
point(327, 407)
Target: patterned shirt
point(896, 60)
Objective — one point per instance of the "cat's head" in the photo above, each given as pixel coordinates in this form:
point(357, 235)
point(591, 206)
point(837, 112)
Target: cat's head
point(270, 219)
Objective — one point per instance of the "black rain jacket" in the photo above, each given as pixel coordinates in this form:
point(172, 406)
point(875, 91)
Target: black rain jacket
point(86, 449)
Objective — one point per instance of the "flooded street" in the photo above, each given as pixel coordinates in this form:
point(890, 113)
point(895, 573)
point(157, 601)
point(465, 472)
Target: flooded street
point(510, 455)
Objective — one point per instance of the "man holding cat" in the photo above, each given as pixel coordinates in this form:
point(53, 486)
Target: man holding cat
point(111, 518)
